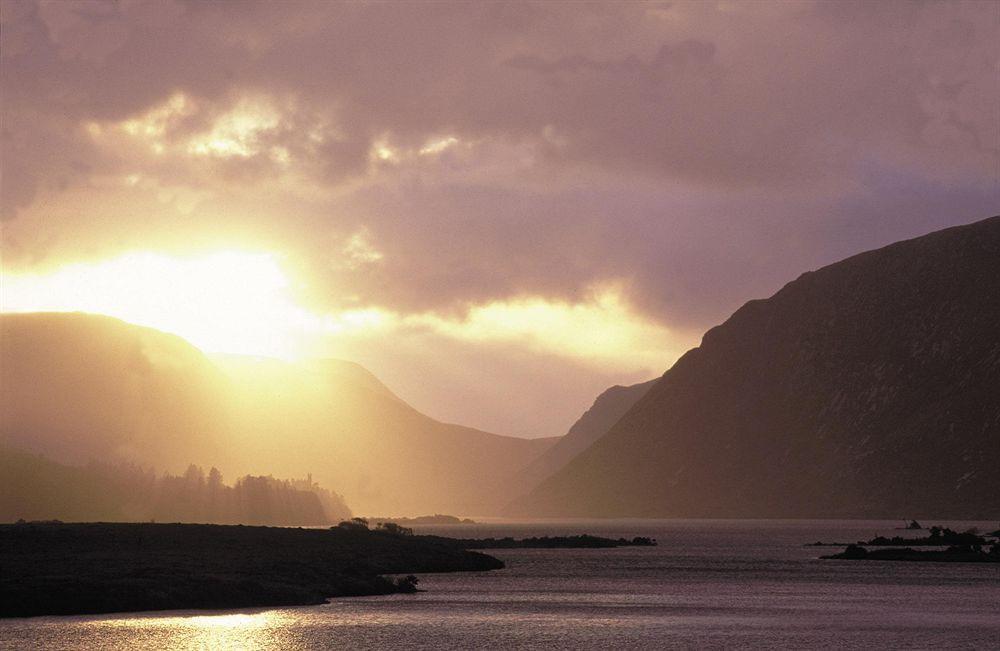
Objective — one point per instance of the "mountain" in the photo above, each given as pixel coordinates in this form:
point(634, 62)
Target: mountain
point(868, 388)
point(356, 436)
point(607, 409)
point(78, 387)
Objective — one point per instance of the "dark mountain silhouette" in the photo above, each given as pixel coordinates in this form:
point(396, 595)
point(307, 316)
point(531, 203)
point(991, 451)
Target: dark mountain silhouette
point(79, 387)
point(607, 409)
point(868, 388)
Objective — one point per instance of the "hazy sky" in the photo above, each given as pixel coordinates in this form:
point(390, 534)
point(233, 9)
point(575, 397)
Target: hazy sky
point(500, 209)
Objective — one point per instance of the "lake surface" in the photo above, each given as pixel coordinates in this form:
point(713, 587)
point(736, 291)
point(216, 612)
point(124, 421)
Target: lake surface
point(709, 584)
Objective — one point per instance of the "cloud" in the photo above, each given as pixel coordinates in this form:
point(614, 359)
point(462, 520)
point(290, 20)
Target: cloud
point(793, 95)
point(601, 328)
point(437, 159)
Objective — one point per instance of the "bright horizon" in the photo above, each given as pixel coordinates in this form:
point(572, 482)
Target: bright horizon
point(248, 302)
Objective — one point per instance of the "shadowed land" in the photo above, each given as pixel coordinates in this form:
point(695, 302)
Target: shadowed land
point(960, 547)
point(953, 554)
point(55, 568)
point(64, 569)
point(939, 536)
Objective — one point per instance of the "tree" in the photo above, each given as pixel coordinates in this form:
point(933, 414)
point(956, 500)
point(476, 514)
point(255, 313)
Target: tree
point(395, 529)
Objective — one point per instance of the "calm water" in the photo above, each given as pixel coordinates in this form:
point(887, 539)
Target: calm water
point(710, 584)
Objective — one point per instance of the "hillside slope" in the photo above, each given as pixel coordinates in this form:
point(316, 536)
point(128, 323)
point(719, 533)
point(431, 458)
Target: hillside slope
point(607, 409)
point(79, 387)
point(868, 388)
point(356, 436)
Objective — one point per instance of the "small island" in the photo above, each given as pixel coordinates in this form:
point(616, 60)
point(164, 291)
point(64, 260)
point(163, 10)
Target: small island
point(953, 554)
point(961, 547)
point(939, 537)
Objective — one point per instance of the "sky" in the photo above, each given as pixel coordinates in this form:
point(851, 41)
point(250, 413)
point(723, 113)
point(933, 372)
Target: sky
point(500, 209)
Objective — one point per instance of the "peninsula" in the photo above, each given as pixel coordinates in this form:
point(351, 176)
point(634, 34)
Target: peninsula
point(67, 569)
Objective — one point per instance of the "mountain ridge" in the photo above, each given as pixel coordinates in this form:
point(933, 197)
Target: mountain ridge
point(606, 410)
point(867, 388)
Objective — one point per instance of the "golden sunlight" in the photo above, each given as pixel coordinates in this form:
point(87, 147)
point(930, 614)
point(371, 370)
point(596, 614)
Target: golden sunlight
point(604, 327)
point(227, 301)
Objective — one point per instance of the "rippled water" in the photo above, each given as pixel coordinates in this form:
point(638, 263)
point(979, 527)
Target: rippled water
point(710, 584)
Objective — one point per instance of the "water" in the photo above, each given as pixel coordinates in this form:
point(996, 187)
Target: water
point(710, 584)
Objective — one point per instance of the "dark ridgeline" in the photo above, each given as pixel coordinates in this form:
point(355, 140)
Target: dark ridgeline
point(63, 569)
point(868, 388)
point(607, 409)
point(35, 488)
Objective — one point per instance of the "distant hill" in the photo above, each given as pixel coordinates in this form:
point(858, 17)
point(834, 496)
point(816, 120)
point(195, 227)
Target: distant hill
point(360, 439)
point(607, 409)
point(868, 388)
point(78, 387)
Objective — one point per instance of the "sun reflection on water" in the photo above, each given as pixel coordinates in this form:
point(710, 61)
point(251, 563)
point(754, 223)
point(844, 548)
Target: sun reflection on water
point(253, 630)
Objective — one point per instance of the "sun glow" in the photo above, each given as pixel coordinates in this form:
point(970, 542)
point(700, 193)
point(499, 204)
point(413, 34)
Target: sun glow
point(227, 301)
point(601, 327)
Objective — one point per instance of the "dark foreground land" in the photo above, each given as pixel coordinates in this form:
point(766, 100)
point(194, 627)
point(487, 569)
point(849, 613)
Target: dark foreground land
point(64, 569)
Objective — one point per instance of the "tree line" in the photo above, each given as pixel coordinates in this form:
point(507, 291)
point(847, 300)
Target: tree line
point(35, 488)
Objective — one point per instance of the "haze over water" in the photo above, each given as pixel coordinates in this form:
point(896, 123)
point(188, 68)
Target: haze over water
point(709, 584)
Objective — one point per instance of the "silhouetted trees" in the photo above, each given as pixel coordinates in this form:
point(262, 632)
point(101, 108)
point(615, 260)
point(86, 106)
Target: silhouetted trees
point(396, 529)
point(354, 524)
point(35, 488)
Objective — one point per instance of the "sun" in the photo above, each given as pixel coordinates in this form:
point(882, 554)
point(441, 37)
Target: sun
point(227, 301)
